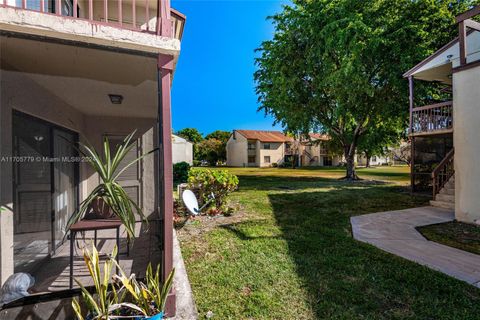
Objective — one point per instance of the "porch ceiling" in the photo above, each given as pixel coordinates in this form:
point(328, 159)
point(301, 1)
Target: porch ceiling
point(83, 77)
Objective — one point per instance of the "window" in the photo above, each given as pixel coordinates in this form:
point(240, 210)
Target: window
point(266, 146)
point(266, 159)
point(327, 161)
point(251, 146)
point(374, 159)
point(251, 159)
point(323, 149)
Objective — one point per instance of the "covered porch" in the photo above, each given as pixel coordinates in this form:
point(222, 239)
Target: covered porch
point(53, 95)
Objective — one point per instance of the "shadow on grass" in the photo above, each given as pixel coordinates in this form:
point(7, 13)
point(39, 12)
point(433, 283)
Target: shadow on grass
point(348, 279)
point(251, 182)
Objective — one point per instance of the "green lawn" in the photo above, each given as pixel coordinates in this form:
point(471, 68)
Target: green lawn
point(289, 253)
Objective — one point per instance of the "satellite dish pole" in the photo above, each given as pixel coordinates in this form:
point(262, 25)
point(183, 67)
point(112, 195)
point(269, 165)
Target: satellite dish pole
point(191, 202)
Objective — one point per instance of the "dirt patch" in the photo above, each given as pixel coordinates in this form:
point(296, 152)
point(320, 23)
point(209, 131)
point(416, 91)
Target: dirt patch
point(194, 227)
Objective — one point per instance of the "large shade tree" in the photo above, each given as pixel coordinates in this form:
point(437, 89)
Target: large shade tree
point(336, 66)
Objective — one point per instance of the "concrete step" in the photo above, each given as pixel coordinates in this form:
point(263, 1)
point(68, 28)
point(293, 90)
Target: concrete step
point(442, 204)
point(445, 197)
point(449, 191)
point(450, 185)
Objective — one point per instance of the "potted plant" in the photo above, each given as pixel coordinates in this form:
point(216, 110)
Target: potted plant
point(149, 296)
point(126, 298)
point(109, 198)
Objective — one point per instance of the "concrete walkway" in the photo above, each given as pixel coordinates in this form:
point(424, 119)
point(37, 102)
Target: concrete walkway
point(394, 232)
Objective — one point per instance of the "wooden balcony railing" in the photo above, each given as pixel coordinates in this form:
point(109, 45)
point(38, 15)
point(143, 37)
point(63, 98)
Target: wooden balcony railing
point(443, 172)
point(150, 16)
point(432, 119)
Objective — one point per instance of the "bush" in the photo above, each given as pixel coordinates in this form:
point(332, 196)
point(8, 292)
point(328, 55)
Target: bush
point(180, 171)
point(219, 182)
point(197, 163)
point(286, 164)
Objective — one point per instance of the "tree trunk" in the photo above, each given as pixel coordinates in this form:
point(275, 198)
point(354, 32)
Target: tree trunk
point(367, 163)
point(350, 158)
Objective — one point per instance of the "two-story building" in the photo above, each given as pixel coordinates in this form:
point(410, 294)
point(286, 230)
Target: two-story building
point(314, 151)
point(81, 70)
point(256, 148)
point(444, 134)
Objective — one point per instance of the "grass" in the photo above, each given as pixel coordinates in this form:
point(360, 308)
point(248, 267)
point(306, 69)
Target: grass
point(289, 253)
point(455, 234)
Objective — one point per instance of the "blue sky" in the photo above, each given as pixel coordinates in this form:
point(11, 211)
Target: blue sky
point(213, 87)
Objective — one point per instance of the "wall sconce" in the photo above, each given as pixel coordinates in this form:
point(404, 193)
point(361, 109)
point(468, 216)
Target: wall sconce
point(116, 98)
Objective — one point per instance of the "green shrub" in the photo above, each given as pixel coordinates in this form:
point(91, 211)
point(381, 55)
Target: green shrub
point(197, 163)
point(180, 171)
point(218, 182)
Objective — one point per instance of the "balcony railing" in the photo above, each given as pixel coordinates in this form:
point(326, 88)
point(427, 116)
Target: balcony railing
point(432, 119)
point(136, 15)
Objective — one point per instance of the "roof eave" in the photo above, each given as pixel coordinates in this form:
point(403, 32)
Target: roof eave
point(430, 58)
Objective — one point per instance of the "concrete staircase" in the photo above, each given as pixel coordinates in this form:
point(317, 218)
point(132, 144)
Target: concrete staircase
point(446, 197)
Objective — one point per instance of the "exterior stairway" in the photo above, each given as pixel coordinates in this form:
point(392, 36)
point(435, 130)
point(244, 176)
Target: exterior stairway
point(446, 197)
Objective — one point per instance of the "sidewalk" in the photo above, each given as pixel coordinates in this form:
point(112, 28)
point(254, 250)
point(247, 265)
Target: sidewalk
point(394, 232)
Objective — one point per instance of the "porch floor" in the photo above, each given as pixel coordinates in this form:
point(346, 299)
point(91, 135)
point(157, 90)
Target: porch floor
point(54, 273)
point(394, 232)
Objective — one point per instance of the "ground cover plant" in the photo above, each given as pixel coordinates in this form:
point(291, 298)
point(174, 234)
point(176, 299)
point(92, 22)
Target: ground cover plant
point(289, 253)
point(455, 234)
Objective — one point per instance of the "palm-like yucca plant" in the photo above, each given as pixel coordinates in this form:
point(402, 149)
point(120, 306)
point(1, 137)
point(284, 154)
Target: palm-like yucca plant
point(150, 297)
point(106, 300)
point(109, 190)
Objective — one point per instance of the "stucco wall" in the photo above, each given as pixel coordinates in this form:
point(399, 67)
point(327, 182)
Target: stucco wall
point(466, 140)
point(379, 160)
point(276, 153)
point(237, 151)
point(315, 151)
point(182, 151)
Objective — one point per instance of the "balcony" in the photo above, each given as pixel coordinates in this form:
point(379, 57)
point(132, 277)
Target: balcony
point(146, 25)
point(432, 119)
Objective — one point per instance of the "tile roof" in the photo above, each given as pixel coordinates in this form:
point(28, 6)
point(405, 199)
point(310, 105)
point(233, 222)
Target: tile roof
point(319, 136)
point(264, 136)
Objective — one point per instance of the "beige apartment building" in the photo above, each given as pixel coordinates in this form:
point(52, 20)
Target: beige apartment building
point(70, 71)
point(257, 148)
point(314, 152)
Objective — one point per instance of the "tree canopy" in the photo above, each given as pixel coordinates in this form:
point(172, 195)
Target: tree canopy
point(219, 135)
point(345, 64)
point(191, 134)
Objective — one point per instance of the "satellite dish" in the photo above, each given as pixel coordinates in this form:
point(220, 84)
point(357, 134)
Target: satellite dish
point(190, 202)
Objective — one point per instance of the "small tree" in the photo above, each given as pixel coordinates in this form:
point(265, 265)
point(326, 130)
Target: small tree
point(403, 153)
point(212, 151)
point(379, 138)
point(219, 135)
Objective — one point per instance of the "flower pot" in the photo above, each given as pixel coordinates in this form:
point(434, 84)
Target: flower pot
point(100, 210)
point(158, 316)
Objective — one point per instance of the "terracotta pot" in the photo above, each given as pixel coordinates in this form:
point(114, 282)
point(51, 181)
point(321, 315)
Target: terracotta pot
point(100, 210)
